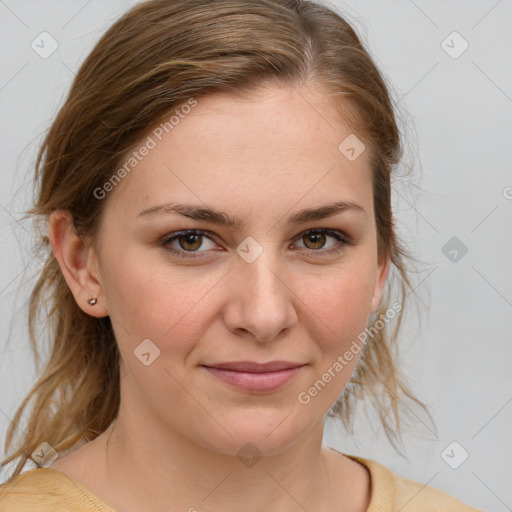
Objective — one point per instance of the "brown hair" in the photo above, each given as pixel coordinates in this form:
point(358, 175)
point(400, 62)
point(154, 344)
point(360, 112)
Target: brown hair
point(150, 62)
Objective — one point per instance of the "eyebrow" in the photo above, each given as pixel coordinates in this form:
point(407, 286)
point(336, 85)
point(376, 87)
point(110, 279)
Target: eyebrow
point(215, 216)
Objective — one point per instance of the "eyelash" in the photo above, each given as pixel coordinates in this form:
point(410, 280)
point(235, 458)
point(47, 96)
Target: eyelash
point(338, 235)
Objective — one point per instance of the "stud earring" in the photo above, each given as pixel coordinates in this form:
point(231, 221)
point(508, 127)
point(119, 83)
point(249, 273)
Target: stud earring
point(92, 301)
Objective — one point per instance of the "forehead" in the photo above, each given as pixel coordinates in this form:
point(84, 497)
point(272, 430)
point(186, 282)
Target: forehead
point(276, 146)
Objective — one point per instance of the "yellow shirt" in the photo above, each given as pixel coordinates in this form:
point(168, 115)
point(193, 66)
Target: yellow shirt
point(49, 490)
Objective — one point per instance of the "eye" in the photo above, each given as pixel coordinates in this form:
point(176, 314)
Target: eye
point(185, 244)
point(188, 242)
point(317, 238)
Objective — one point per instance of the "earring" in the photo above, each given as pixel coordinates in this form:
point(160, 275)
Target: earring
point(92, 301)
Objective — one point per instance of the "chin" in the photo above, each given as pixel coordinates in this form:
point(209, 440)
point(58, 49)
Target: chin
point(259, 433)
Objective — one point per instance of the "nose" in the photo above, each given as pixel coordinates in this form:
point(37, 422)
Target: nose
point(261, 299)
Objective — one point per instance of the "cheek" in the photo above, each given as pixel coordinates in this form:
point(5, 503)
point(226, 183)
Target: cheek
point(342, 300)
point(159, 301)
point(341, 309)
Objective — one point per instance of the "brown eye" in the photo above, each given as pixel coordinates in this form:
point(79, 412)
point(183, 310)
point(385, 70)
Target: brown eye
point(317, 240)
point(186, 244)
point(189, 241)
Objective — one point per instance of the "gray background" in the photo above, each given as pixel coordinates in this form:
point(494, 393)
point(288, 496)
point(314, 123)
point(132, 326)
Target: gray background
point(458, 119)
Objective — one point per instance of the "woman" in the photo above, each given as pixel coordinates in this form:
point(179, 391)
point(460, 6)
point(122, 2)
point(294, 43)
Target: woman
point(220, 239)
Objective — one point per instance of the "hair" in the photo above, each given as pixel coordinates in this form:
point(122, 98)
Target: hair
point(150, 62)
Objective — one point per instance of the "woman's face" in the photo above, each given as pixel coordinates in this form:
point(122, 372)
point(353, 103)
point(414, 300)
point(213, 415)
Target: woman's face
point(260, 291)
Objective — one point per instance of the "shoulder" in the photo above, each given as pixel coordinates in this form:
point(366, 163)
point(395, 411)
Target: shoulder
point(392, 492)
point(44, 489)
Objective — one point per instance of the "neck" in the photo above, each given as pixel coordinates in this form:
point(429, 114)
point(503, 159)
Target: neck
point(152, 468)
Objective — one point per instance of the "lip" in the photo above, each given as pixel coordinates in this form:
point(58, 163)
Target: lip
point(255, 377)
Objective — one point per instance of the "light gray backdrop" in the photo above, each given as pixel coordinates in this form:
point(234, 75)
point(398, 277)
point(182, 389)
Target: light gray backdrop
point(449, 63)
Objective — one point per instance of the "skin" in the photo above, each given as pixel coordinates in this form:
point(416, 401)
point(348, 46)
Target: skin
point(175, 441)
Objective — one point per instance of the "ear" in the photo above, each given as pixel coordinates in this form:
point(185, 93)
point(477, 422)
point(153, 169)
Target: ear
point(78, 263)
point(380, 281)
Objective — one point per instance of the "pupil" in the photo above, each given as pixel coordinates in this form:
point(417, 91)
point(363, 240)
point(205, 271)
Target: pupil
point(317, 239)
point(190, 239)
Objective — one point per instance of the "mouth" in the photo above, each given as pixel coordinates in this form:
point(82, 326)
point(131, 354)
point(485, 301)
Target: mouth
point(255, 377)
